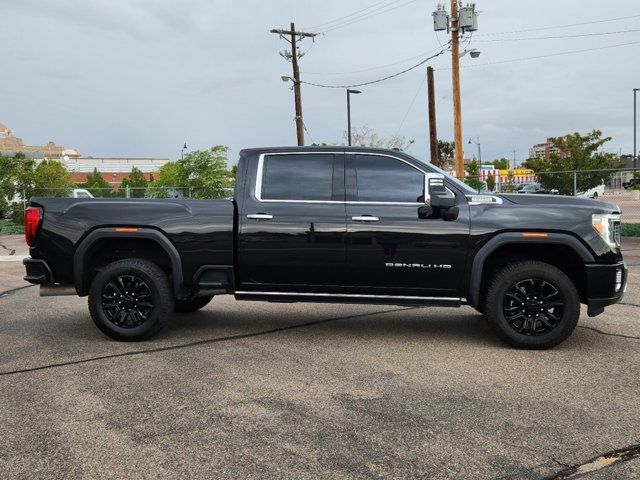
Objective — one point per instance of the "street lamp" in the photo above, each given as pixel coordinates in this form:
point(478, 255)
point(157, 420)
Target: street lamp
point(635, 130)
point(349, 92)
point(477, 142)
point(184, 147)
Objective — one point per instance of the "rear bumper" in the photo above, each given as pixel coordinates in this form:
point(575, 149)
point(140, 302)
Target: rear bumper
point(38, 271)
point(606, 286)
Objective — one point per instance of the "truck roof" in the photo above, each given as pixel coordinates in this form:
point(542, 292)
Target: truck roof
point(314, 148)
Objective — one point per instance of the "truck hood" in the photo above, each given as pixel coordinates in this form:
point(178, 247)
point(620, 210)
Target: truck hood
point(561, 201)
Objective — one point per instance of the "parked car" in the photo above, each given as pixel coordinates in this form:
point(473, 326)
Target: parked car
point(80, 193)
point(333, 224)
point(536, 188)
point(633, 182)
point(594, 192)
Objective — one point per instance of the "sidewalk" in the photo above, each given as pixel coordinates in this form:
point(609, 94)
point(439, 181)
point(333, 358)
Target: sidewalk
point(12, 250)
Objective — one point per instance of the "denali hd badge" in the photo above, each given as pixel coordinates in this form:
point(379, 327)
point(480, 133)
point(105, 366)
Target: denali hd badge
point(433, 266)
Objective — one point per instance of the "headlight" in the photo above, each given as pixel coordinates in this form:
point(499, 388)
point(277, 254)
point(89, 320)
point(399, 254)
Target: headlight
point(608, 227)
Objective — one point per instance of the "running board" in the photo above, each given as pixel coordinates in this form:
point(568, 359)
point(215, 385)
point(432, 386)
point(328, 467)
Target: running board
point(288, 297)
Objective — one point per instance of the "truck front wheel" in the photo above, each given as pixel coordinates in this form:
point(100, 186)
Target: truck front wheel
point(131, 300)
point(532, 305)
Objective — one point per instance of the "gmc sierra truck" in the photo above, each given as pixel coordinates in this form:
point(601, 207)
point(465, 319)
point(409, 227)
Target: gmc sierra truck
point(333, 224)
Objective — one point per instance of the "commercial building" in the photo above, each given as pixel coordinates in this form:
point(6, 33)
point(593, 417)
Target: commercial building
point(544, 150)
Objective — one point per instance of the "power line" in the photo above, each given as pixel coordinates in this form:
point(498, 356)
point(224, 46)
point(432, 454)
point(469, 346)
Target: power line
point(371, 14)
point(410, 106)
point(537, 29)
point(475, 65)
point(378, 80)
point(560, 36)
point(421, 55)
point(337, 20)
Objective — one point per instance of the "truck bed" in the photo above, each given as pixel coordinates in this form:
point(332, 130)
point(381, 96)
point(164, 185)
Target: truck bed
point(200, 230)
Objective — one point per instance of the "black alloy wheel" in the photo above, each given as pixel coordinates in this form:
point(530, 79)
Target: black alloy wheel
point(533, 307)
point(127, 301)
point(131, 299)
point(532, 304)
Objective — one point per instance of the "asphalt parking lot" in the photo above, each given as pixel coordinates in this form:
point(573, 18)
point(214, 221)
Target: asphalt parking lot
point(262, 390)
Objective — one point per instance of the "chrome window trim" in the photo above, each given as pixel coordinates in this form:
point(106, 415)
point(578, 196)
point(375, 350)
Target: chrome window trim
point(260, 173)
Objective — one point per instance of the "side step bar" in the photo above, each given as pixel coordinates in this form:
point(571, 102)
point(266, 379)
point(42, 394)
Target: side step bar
point(288, 297)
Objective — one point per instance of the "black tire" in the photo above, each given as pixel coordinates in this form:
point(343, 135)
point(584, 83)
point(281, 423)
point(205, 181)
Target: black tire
point(131, 300)
point(532, 305)
point(192, 304)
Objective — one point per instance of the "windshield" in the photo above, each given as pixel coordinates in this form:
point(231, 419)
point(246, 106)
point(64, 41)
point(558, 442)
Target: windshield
point(461, 185)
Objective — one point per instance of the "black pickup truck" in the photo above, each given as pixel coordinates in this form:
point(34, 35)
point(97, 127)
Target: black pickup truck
point(333, 224)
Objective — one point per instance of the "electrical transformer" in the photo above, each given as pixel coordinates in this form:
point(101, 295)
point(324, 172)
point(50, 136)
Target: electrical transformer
point(465, 17)
point(440, 20)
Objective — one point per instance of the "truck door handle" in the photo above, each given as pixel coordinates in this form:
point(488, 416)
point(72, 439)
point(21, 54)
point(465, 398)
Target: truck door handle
point(260, 216)
point(365, 218)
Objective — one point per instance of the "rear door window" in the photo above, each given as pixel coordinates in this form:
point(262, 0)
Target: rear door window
point(297, 177)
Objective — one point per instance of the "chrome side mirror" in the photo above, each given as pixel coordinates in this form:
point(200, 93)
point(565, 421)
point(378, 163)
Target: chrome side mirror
point(435, 192)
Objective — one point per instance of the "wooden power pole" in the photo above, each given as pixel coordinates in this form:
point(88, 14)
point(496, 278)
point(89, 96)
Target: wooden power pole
point(296, 76)
point(457, 102)
point(433, 134)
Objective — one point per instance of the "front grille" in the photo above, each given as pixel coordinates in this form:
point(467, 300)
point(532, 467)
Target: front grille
point(616, 232)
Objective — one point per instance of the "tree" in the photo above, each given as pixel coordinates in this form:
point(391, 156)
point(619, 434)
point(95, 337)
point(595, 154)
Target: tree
point(16, 177)
point(501, 164)
point(446, 151)
point(51, 179)
point(473, 175)
point(96, 184)
point(576, 152)
point(136, 182)
point(365, 136)
point(491, 183)
point(200, 174)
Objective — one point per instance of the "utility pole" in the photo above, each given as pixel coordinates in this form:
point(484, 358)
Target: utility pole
point(463, 19)
point(433, 135)
point(635, 130)
point(296, 75)
point(457, 101)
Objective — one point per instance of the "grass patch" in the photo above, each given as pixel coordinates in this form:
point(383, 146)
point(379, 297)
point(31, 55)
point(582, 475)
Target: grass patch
point(630, 229)
point(7, 227)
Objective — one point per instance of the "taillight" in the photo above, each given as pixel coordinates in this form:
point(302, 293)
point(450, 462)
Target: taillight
point(32, 220)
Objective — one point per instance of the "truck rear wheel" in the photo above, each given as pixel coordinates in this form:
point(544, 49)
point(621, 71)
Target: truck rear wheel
point(130, 300)
point(532, 305)
point(192, 304)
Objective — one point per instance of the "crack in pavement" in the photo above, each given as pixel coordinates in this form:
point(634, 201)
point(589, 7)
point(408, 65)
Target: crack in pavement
point(629, 304)
point(199, 342)
point(597, 463)
point(608, 333)
point(14, 290)
point(11, 251)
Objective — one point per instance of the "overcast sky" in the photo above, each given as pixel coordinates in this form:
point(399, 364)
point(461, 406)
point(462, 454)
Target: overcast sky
point(141, 77)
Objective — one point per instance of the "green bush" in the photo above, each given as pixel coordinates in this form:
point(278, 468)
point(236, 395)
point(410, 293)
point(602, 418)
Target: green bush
point(7, 227)
point(630, 229)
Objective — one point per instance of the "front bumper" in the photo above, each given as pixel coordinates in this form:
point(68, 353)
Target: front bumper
point(606, 285)
point(38, 271)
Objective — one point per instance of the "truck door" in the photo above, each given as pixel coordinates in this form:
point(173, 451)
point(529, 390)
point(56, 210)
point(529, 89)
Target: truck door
point(293, 224)
point(391, 249)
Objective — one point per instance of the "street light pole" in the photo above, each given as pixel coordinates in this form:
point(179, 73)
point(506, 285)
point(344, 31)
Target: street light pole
point(477, 142)
point(635, 130)
point(349, 92)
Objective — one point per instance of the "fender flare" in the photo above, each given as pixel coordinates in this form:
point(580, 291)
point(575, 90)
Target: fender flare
point(475, 280)
point(112, 232)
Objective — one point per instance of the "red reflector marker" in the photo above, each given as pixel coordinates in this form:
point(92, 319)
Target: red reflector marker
point(32, 220)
